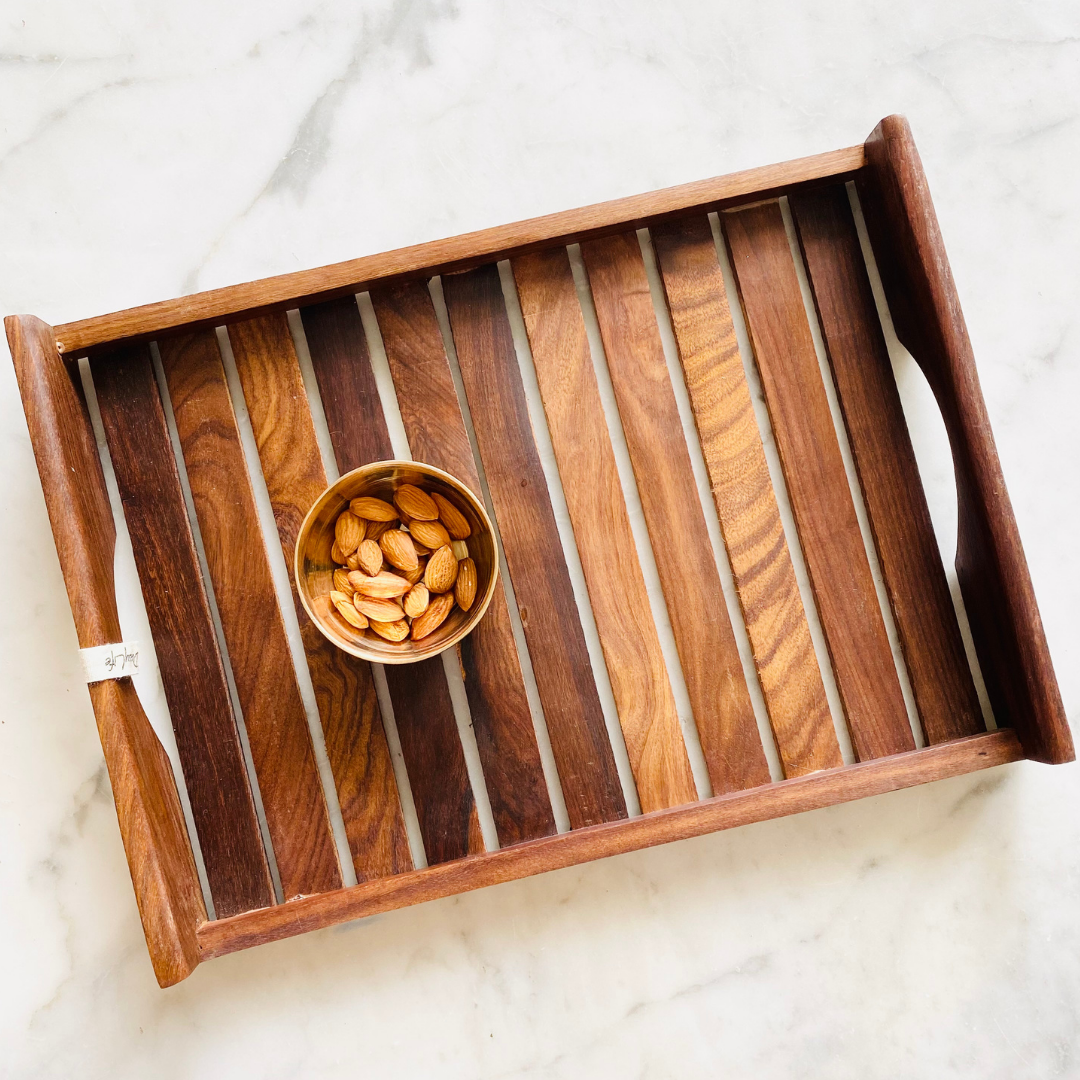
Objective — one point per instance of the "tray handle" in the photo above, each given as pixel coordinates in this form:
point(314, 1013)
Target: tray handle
point(147, 805)
point(990, 565)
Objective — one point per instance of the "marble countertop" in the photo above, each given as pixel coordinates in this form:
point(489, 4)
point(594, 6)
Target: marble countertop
point(149, 150)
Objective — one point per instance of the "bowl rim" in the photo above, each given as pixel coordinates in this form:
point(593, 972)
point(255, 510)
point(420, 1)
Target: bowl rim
point(474, 616)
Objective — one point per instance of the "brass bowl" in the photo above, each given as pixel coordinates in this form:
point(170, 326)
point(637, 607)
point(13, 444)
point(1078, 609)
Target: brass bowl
point(314, 568)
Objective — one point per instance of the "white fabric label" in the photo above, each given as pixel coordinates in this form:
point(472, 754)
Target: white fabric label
point(111, 661)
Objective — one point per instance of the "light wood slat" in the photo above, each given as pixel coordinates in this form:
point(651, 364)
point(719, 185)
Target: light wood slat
point(745, 502)
point(534, 555)
point(888, 472)
point(620, 604)
point(423, 709)
point(266, 685)
point(432, 418)
point(344, 692)
point(817, 482)
point(676, 522)
point(184, 638)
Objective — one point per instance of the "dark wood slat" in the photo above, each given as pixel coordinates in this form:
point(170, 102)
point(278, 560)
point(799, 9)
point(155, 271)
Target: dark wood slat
point(817, 482)
point(500, 709)
point(745, 502)
point(344, 692)
point(266, 685)
point(545, 598)
point(423, 710)
point(590, 478)
point(676, 522)
point(184, 639)
point(888, 472)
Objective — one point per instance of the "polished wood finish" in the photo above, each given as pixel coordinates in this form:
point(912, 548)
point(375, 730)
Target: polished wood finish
point(423, 710)
point(742, 492)
point(442, 256)
point(1005, 622)
point(144, 790)
point(184, 638)
point(432, 417)
point(262, 667)
point(344, 691)
point(676, 522)
point(729, 811)
point(590, 479)
point(817, 482)
point(911, 567)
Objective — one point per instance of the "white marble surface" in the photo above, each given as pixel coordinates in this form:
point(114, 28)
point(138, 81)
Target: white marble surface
point(152, 149)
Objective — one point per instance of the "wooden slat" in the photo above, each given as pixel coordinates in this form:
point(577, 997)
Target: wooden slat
point(825, 788)
point(436, 430)
point(744, 498)
point(344, 691)
point(888, 472)
point(817, 482)
point(423, 709)
point(590, 478)
point(184, 639)
point(545, 598)
point(308, 286)
point(676, 522)
point(266, 685)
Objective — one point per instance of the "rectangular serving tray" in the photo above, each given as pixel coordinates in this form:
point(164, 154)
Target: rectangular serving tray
point(768, 225)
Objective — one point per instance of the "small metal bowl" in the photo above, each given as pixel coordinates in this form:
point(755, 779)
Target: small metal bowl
point(314, 568)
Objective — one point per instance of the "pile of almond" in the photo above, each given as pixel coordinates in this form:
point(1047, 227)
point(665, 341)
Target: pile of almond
point(402, 567)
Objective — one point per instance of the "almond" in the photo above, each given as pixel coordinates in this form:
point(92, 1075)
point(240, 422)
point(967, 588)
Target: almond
point(430, 533)
point(457, 525)
point(381, 586)
point(373, 509)
point(465, 587)
point(413, 576)
point(337, 554)
point(392, 631)
point(341, 582)
point(348, 532)
point(441, 571)
point(353, 561)
point(414, 503)
point(370, 557)
point(433, 617)
point(345, 609)
point(398, 548)
point(460, 549)
point(375, 529)
point(416, 600)
point(379, 610)
point(420, 549)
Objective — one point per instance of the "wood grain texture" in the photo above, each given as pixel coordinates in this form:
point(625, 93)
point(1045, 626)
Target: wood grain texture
point(344, 692)
point(262, 666)
point(729, 811)
point(423, 709)
point(184, 638)
point(993, 574)
point(888, 472)
point(817, 482)
point(440, 256)
point(669, 497)
point(534, 557)
point(433, 422)
point(147, 804)
point(743, 494)
point(590, 479)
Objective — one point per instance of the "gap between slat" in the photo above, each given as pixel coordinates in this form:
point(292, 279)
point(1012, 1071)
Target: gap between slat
point(708, 506)
point(532, 693)
point(399, 442)
point(280, 576)
point(898, 356)
point(783, 501)
point(853, 478)
point(135, 625)
point(215, 615)
point(382, 692)
point(638, 528)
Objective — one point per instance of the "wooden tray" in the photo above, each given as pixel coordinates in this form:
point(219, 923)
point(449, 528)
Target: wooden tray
point(993, 575)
